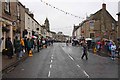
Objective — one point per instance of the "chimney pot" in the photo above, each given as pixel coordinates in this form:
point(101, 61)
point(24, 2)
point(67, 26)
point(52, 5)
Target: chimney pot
point(103, 6)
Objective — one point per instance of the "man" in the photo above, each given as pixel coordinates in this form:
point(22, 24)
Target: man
point(84, 51)
point(1, 40)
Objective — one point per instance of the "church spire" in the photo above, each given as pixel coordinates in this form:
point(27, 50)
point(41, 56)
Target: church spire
point(47, 24)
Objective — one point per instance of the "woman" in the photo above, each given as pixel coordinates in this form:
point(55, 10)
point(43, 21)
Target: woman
point(9, 47)
point(113, 50)
point(18, 47)
point(29, 45)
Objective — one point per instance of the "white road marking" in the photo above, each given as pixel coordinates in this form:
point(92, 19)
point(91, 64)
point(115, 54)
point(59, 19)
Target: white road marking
point(86, 74)
point(51, 61)
point(22, 69)
point(78, 66)
point(50, 65)
point(10, 69)
point(52, 57)
point(71, 57)
point(49, 74)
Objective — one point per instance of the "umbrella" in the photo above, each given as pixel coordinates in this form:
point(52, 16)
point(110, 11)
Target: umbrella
point(34, 37)
point(88, 39)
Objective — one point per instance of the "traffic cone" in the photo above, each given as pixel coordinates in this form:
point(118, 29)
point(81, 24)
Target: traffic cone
point(44, 46)
point(95, 50)
point(30, 53)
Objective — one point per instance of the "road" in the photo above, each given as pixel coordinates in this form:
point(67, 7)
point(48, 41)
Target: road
point(61, 61)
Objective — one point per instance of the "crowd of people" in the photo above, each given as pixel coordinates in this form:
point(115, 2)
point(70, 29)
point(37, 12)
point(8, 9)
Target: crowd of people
point(24, 45)
point(108, 46)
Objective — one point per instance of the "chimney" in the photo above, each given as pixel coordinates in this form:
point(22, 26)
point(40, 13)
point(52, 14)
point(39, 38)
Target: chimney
point(103, 6)
point(31, 15)
point(27, 10)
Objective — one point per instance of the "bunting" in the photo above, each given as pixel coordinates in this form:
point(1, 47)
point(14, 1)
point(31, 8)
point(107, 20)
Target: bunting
point(67, 13)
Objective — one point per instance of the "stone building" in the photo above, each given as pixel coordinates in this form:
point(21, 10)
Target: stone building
point(118, 27)
point(21, 17)
point(8, 19)
point(47, 25)
point(99, 25)
point(60, 37)
point(104, 25)
point(53, 35)
point(12, 19)
point(31, 25)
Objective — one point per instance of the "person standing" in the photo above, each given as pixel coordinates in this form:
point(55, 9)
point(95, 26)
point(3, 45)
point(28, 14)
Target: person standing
point(15, 44)
point(29, 45)
point(18, 47)
point(22, 43)
point(9, 47)
point(84, 51)
point(67, 43)
point(25, 42)
point(43, 43)
point(38, 44)
point(89, 44)
point(98, 45)
point(113, 50)
point(1, 40)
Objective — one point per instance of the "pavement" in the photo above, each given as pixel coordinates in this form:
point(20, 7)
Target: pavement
point(104, 53)
point(7, 63)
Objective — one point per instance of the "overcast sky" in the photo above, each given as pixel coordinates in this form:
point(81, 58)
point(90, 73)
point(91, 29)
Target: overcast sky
point(59, 21)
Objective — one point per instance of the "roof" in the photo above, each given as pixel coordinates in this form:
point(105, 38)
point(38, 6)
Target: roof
point(75, 28)
point(97, 15)
point(118, 13)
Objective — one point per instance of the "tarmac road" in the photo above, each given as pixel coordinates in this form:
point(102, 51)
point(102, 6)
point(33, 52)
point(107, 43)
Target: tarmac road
point(61, 61)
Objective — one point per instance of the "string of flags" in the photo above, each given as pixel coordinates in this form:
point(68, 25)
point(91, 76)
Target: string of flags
point(61, 10)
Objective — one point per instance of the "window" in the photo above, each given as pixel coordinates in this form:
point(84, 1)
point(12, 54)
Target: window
point(113, 26)
point(18, 11)
point(91, 23)
point(28, 23)
point(7, 6)
point(91, 35)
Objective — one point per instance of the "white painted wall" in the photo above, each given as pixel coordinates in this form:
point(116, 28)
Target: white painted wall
point(31, 24)
point(28, 24)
